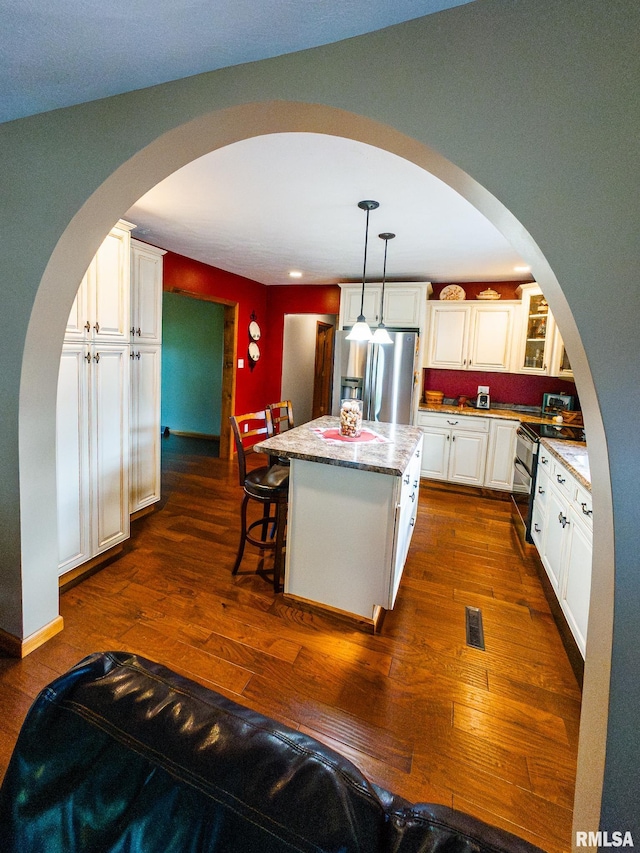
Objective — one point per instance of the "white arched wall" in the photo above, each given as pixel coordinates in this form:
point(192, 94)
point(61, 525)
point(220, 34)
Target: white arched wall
point(78, 243)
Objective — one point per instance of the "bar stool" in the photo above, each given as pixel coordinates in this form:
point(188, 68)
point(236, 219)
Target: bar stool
point(282, 418)
point(281, 415)
point(269, 486)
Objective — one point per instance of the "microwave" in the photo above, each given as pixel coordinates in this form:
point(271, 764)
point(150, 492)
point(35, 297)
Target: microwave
point(556, 403)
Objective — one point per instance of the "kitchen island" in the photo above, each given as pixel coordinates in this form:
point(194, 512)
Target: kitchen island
point(352, 509)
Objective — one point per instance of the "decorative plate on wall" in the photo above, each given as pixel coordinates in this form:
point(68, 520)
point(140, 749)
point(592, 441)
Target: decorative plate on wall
point(254, 351)
point(254, 331)
point(452, 292)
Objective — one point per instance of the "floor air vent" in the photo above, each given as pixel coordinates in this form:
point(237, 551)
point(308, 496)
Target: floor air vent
point(475, 631)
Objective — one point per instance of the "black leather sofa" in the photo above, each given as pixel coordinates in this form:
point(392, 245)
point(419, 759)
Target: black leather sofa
point(121, 755)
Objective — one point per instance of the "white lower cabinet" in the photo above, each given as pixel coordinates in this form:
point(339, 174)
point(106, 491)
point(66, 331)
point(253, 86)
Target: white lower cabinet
point(501, 453)
point(92, 449)
point(454, 448)
point(348, 534)
point(562, 533)
point(405, 520)
point(144, 468)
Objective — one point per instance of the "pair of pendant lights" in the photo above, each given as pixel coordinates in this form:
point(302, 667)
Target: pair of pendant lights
point(361, 331)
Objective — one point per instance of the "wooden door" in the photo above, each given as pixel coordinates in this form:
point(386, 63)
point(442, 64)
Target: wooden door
point(323, 370)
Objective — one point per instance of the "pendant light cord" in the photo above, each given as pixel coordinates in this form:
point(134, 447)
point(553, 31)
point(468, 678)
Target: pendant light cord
point(364, 267)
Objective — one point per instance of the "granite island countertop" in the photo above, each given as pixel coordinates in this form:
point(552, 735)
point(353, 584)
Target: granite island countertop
point(389, 456)
point(573, 455)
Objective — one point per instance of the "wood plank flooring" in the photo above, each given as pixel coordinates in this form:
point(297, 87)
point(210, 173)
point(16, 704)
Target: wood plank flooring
point(493, 733)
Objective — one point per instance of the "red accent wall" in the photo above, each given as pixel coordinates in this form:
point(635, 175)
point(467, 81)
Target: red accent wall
point(285, 299)
point(506, 289)
point(258, 385)
point(518, 388)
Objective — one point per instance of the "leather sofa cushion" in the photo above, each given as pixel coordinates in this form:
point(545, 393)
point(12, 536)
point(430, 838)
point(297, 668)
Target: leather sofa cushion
point(122, 754)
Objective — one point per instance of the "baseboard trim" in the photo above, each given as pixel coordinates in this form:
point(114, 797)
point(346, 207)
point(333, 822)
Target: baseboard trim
point(368, 626)
point(17, 648)
point(568, 641)
point(74, 576)
point(202, 435)
point(146, 510)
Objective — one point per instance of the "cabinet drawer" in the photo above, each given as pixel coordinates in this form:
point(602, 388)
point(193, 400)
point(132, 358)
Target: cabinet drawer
point(583, 506)
point(545, 461)
point(563, 480)
point(541, 489)
point(457, 422)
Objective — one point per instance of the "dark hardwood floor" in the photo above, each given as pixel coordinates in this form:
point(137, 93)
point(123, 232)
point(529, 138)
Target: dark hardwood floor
point(493, 733)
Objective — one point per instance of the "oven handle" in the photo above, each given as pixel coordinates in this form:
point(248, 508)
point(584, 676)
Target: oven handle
point(518, 463)
point(522, 433)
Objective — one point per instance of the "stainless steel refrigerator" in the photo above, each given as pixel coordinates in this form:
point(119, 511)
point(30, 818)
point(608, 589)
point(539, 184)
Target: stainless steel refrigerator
point(383, 376)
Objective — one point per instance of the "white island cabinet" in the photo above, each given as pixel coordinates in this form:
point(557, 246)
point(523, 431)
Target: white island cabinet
point(352, 511)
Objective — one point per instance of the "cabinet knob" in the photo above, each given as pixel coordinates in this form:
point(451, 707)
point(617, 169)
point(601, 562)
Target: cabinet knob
point(536, 528)
point(97, 328)
point(585, 510)
point(88, 358)
point(96, 357)
point(563, 520)
point(132, 330)
point(87, 326)
point(412, 496)
point(544, 460)
point(138, 332)
point(406, 479)
point(560, 479)
point(540, 490)
point(451, 423)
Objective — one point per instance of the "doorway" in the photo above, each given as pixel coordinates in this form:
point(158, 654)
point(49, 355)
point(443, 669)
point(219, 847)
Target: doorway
point(301, 361)
point(198, 384)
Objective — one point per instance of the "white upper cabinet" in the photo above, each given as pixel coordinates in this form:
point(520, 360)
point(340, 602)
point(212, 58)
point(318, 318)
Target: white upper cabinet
point(470, 336)
point(146, 293)
point(351, 301)
point(560, 364)
point(448, 335)
point(404, 304)
point(535, 345)
point(100, 311)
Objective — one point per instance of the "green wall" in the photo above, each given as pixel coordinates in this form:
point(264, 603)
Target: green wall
point(192, 350)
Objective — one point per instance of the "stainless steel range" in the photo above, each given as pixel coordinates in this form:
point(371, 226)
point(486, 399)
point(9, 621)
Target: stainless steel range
point(525, 463)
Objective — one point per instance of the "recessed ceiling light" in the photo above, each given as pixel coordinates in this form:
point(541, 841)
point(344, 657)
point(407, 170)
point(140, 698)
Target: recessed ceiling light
point(295, 274)
point(522, 268)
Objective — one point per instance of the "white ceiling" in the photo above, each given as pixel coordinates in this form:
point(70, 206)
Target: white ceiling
point(289, 201)
point(263, 206)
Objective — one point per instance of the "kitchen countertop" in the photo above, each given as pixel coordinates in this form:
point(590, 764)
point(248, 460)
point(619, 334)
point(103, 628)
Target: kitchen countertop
point(388, 457)
point(573, 455)
point(509, 414)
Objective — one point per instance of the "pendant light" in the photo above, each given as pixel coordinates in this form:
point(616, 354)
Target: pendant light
point(381, 335)
point(361, 331)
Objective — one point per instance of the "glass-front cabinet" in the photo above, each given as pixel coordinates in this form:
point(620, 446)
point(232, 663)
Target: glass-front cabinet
point(537, 331)
point(560, 364)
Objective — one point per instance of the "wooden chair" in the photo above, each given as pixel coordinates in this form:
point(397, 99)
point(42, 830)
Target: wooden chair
point(282, 418)
point(281, 415)
point(269, 486)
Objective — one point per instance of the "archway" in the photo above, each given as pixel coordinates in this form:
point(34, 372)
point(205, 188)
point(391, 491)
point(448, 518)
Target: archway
point(79, 242)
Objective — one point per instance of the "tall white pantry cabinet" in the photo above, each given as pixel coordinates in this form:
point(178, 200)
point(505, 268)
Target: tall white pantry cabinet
point(97, 403)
